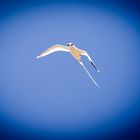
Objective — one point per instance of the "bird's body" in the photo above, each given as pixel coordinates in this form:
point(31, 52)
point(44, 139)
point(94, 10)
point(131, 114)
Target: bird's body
point(75, 52)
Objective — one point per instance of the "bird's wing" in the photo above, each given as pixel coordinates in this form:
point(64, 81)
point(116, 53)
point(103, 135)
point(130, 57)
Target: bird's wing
point(87, 55)
point(52, 49)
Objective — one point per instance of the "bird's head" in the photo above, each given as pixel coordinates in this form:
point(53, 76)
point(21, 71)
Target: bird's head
point(70, 44)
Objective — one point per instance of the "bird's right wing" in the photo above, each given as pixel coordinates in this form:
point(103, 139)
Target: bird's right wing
point(52, 49)
point(87, 55)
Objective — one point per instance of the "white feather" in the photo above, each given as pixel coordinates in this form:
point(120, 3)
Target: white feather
point(89, 75)
point(53, 49)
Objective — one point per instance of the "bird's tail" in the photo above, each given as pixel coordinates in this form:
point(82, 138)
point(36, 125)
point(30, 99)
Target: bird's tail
point(89, 75)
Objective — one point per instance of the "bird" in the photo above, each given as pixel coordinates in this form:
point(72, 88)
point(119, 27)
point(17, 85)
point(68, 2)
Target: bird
point(75, 52)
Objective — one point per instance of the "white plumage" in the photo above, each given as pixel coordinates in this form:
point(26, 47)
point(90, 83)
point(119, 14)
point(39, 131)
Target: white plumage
point(75, 52)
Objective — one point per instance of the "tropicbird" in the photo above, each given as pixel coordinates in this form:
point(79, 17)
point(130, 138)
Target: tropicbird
point(75, 52)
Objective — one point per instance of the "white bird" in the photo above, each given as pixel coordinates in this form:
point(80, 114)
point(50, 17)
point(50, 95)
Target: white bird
point(75, 52)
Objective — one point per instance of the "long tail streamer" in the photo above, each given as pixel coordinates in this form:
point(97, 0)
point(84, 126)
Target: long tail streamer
point(89, 75)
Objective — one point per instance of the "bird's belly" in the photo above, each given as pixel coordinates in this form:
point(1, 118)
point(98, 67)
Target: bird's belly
point(76, 54)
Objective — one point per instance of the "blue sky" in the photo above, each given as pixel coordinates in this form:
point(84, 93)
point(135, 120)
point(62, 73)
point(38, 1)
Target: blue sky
point(53, 95)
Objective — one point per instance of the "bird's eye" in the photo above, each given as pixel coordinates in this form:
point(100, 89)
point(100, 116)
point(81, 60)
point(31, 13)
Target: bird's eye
point(68, 44)
point(71, 44)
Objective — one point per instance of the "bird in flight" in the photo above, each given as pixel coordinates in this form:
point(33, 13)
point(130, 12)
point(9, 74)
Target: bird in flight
point(75, 52)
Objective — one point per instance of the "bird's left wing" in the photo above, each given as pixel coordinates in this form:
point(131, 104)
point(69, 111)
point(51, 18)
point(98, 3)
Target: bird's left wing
point(87, 55)
point(52, 49)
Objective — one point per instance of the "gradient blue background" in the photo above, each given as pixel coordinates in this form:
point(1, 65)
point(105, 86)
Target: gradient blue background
point(52, 97)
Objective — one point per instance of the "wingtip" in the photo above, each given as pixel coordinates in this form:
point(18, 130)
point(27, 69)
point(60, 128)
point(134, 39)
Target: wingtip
point(37, 57)
point(95, 67)
point(98, 71)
